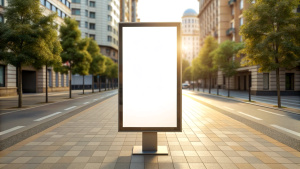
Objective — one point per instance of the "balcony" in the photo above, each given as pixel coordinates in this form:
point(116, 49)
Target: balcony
point(230, 31)
point(231, 2)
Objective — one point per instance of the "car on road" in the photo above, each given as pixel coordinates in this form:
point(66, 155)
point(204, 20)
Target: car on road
point(185, 86)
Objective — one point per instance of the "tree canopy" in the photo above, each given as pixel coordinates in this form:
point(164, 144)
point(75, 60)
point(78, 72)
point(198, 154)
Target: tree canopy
point(97, 66)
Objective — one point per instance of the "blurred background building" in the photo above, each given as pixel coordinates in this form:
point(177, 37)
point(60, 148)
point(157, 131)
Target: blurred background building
point(190, 35)
point(222, 19)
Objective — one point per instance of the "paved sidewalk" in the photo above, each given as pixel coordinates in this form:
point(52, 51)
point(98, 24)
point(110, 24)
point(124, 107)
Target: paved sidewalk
point(91, 140)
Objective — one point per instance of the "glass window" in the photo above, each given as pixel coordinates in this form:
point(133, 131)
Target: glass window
point(266, 81)
point(78, 23)
point(2, 76)
point(92, 26)
point(67, 80)
point(73, 1)
point(92, 14)
point(108, 51)
point(86, 24)
point(241, 4)
point(48, 5)
point(109, 39)
point(56, 79)
point(68, 4)
point(63, 1)
point(64, 15)
point(59, 12)
point(109, 28)
point(92, 4)
point(241, 21)
point(53, 8)
point(62, 80)
point(109, 8)
point(86, 13)
point(75, 11)
point(289, 81)
point(50, 77)
point(93, 36)
point(109, 18)
point(42, 2)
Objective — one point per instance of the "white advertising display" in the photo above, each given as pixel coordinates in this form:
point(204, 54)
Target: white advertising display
point(149, 77)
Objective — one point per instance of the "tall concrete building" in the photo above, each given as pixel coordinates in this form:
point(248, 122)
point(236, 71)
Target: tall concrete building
point(34, 81)
point(222, 19)
point(99, 20)
point(190, 35)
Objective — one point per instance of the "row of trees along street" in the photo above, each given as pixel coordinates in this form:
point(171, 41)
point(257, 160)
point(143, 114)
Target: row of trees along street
point(271, 38)
point(29, 38)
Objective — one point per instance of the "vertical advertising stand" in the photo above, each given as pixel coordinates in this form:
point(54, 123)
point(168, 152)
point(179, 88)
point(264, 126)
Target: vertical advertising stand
point(150, 98)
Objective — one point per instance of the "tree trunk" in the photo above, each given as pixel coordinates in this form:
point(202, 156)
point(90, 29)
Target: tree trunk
point(228, 88)
point(198, 85)
point(46, 84)
point(83, 84)
point(70, 83)
point(209, 88)
point(203, 82)
point(92, 83)
point(278, 87)
point(249, 89)
point(100, 85)
point(20, 86)
point(98, 80)
point(105, 83)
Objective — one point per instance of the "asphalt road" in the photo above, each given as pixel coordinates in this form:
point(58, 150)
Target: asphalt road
point(285, 122)
point(12, 121)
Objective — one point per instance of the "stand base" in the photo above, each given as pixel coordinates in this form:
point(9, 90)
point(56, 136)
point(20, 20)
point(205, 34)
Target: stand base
point(161, 150)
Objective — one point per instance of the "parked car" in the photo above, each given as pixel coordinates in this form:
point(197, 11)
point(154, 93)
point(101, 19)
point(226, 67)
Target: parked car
point(185, 86)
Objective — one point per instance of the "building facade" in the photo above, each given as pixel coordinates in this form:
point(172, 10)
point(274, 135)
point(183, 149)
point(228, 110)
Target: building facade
point(34, 81)
point(222, 19)
point(128, 10)
point(190, 35)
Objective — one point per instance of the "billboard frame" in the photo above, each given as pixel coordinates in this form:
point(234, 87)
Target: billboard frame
point(179, 78)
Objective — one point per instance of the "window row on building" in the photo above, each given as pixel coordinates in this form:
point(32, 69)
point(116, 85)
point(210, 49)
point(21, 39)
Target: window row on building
point(110, 39)
point(53, 8)
point(110, 29)
point(90, 3)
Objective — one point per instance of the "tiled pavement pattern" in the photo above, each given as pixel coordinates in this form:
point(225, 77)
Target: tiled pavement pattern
point(91, 140)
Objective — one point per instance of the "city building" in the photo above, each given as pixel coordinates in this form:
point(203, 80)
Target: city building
point(190, 35)
point(34, 81)
point(99, 20)
point(222, 19)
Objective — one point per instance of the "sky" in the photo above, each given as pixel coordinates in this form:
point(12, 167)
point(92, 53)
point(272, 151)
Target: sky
point(164, 10)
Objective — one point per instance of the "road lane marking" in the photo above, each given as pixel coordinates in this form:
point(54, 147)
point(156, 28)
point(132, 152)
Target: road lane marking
point(70, 108)
point(45, 117)
point(10, 130)
point(286, 130)
point(270, 112)
point(228, 108)
point(250, 116)
point(86, 102)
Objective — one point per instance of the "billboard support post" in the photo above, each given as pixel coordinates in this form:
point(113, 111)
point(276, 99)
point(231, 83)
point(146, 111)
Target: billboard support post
point(149, 145)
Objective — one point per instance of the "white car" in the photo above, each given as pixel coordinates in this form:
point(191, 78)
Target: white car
point(185, 86)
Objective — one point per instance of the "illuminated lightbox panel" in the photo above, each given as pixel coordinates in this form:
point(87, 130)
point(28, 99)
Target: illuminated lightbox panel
point(149, 77)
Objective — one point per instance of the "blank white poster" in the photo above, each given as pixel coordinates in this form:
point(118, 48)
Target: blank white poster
point(149, 77)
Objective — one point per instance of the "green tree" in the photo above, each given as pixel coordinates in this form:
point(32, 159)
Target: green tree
point(185, 64)
point(83, 67)
point(272, 36)
point(50, 47)
point(114, 74)
point(187, 74)
point(206, 58)
point(108, 71)
point(74, 55)
point(25, 37)
point(197, 72)
point(224, 58)
point(97, 66)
